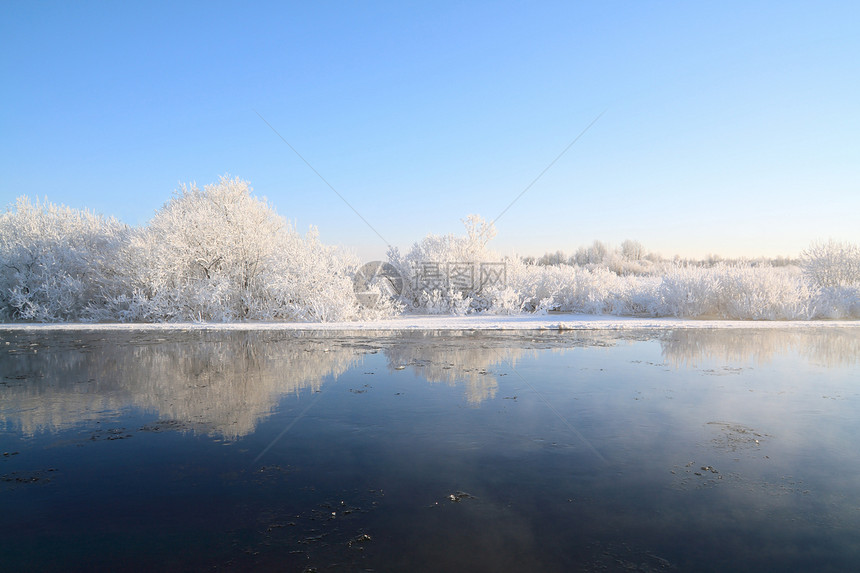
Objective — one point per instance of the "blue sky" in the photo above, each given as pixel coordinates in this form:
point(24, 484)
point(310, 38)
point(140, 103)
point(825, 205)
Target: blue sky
point(729, 127)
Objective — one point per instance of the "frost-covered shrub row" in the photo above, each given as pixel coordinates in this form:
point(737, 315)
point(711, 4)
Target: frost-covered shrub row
point(221, 254)
point(723, 291)
point(603, 285)
point(731, 291)
point(216, 254)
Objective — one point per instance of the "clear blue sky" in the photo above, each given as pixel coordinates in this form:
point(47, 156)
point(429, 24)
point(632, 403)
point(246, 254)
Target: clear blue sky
point(730, 127)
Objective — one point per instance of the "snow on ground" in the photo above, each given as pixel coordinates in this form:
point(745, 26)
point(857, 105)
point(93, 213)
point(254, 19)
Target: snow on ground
point(456, 323)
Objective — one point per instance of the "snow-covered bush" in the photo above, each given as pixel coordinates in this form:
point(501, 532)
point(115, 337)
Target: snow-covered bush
point(687, 292)
point(442, 250)
point(221, 254)
point(763, 293)
point(832, 264)
point(736, 291)
point(572, 288)
point(833, 271)
point(56, 263)
point(835, 302)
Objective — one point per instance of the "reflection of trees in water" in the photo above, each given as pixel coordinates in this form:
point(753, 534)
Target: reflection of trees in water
point(217, 383)
point(49, 388)
point(456, 358)
point(231, 383)
point(831, 347)
point(224, 383)
point(221, 383)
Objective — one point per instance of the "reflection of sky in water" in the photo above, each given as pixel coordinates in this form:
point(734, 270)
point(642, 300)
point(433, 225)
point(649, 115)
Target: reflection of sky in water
point(706, 449)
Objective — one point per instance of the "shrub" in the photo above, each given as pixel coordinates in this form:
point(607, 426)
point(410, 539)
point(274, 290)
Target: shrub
point(216, 254)
point(222, 254)
point(56, 263)
point(832, 264)
point(441, 250)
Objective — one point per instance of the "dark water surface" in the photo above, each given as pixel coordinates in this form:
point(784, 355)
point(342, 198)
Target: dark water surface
point(697, 450)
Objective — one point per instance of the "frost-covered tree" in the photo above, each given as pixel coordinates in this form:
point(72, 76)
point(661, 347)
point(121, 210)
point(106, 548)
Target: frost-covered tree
point(207, 245)
point(628, 259)
point(219, 253)
point(556, 258)
point(593, 255)
point(56, 262)
point(632, 250)
point(456, 248)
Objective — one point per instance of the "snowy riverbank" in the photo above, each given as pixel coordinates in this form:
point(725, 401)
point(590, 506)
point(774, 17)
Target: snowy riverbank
point(525, 322)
